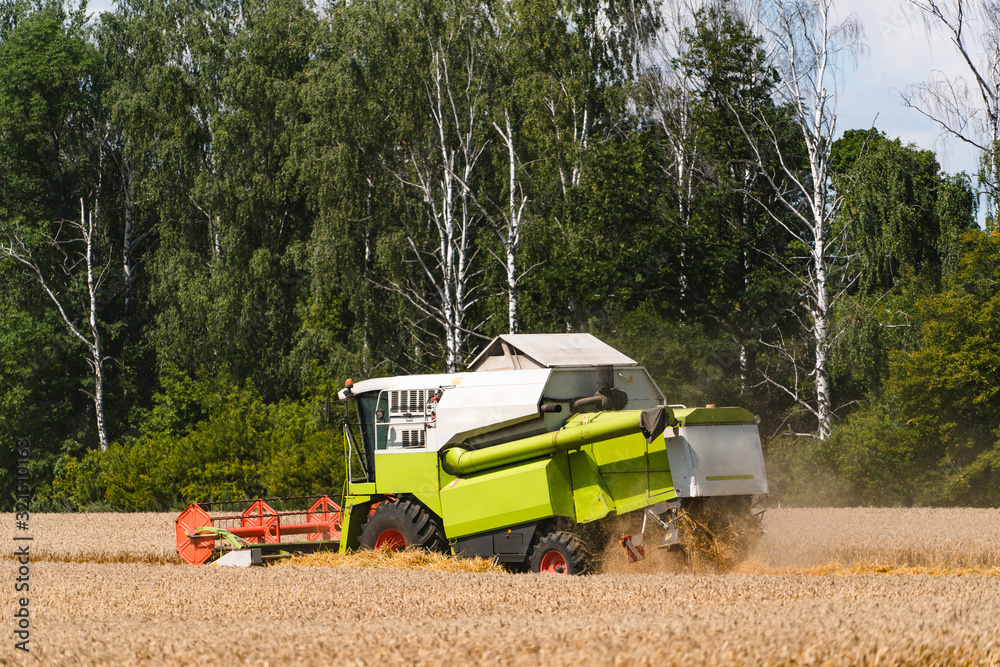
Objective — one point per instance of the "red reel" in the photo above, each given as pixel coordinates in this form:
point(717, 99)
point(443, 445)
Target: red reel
point(325, 510)
point(261, 514)
point(194, 549)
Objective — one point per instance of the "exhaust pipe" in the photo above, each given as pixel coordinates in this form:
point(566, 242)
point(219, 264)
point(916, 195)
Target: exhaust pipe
point(607, 397)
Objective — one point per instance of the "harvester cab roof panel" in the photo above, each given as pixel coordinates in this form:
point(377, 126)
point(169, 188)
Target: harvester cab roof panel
point(527, 351)
point(520, 385)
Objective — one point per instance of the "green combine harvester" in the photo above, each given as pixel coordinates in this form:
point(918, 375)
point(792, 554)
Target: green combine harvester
point(548, 447)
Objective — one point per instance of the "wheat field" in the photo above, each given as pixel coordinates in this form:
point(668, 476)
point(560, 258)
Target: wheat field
point(105, 591)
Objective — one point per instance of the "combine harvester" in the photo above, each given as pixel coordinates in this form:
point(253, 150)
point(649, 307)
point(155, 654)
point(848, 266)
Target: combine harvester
point(532, 458)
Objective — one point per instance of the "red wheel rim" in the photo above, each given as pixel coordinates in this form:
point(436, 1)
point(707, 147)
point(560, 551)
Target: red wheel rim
point(553, 562)
point(392, 540)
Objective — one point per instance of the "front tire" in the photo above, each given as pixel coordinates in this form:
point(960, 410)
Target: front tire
point(401, 524)
point(560, 552)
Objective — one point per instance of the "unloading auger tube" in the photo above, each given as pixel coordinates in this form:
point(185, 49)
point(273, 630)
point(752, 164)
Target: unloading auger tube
point(461, 460)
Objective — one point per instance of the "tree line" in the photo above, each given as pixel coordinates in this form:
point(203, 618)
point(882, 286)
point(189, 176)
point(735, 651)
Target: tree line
point(213, 212)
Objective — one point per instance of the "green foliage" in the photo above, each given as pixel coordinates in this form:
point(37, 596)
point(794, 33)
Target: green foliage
point(902, 219)
point(691, 365)
point(902, 213)
point(949, 388)
point(933, 436)
point(870, 328)
point(728, 61)
point(736, 255)
point(78, 485)
point(874, 459)
point(597, 255)
point(801, 472)
point(258, 157)
point(208, 439)
point(38, 396)
point(207, 99)
point(50, 81)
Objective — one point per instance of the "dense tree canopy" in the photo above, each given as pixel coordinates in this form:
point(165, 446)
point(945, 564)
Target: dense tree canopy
point(283, 195)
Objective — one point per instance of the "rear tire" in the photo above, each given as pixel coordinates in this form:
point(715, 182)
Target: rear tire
point(560, 552)
point(402, 524)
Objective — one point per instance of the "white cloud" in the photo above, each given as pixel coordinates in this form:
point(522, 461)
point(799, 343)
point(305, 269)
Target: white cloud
point(100, 6)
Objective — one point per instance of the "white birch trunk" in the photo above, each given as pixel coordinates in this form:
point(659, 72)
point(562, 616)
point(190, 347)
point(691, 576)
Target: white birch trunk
point(513, 229)
point(571, 160)
point(511, 236)
point(14, 248)
point(507, 219)
point(821, 318)
point(96, 361)
point(803, 40)
point(442, 175)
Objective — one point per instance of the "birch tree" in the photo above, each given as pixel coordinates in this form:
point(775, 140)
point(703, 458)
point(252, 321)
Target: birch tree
point(503, 203)
point(506, 217)
point(665, 93)
point(967, 112)
point(580, 55)
point(52, 150)
point(510, 228)
point(807, 45)
point(441, 164)
point(79, 255)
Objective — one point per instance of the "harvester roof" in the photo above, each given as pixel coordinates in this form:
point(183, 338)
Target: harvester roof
point(525, 351)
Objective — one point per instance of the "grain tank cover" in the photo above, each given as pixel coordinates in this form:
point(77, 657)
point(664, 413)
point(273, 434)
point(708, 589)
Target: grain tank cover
point(513, 352)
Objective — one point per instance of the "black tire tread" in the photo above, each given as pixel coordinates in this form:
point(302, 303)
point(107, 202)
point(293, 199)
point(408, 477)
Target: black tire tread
point(421, 528)
point(578, 558)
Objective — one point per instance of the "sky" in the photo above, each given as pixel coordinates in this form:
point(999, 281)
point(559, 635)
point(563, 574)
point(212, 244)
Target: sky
point(900, 54)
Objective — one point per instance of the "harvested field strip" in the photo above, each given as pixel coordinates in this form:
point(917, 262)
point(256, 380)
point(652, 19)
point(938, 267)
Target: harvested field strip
point(796, 540)
point(385, 559)
point(864, 568)
point(100, 557)
point(420, 560)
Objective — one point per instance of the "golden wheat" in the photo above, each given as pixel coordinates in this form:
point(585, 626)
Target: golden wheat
point(138, 614)
point(922, 588)
point(100, 537)
point(942, 539)
point(410, 559)
point(795, 540)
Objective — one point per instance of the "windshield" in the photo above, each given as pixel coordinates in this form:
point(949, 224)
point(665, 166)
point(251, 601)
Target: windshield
point(366, 418)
